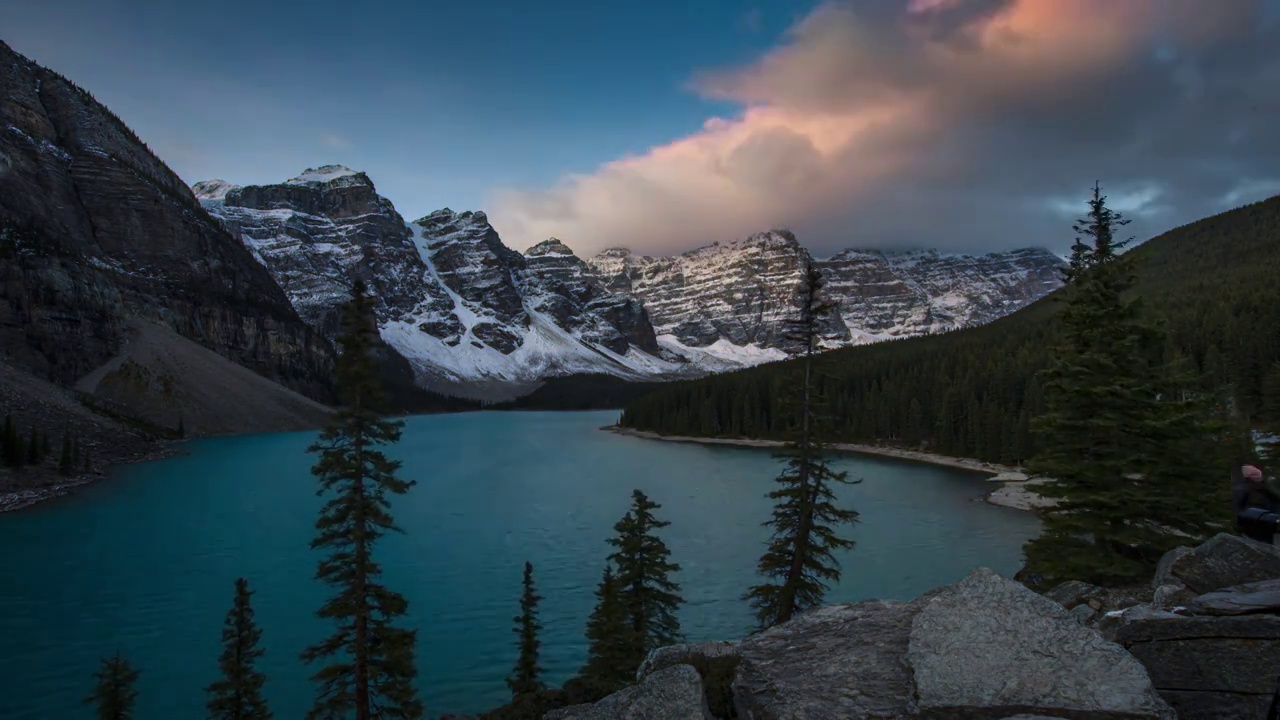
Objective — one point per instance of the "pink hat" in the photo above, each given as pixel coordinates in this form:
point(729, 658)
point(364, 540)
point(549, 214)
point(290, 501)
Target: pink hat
point(1251, 471)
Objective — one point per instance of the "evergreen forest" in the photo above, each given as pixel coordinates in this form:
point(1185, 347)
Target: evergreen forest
point(1210, 286)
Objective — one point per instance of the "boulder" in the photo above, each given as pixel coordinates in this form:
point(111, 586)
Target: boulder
point(985, 648)
point(988, 647)
point(1073, 592)
point(1173, 595)
point(843, 661)
point(1221, 562)
point(673, 693)
point(687, 654)
point(1260, 597)
point(1205, 667)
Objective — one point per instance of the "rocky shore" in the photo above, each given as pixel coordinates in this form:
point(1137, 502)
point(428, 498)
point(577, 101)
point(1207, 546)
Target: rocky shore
point(1202, 642)
point(1016, 490)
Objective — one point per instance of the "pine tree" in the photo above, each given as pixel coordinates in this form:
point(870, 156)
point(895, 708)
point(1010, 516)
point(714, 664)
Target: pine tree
point(66, 465)
point(46, 446)
point(649, 596)
point(238, 694)
point(1127, 438)
point(370, 670)
point(182, 428)
point(799, 562)
point(33, 448)
point(19, 451)
point(114, 695)
point(524, 678)
point(613, 644)
point(10, 441)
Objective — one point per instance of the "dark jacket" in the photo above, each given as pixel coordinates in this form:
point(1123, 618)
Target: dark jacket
point(1247, 494)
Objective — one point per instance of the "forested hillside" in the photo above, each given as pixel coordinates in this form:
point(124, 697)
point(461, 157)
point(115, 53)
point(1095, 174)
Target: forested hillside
point(1215, 283)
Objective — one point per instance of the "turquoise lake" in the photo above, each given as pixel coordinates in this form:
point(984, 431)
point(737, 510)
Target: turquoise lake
point(145, 562)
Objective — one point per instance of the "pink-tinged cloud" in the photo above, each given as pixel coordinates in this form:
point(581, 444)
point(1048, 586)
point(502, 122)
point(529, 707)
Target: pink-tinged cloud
point(874, 128)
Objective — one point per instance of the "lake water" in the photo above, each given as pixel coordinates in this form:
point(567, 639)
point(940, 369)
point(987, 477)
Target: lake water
point(145, 562)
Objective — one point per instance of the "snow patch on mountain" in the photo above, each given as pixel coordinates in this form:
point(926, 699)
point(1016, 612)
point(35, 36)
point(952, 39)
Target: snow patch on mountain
point(323, 175)
point(535, 344)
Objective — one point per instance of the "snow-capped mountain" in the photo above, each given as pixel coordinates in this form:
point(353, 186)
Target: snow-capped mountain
point(461, 307)
point(729, 300)
point(472, 315)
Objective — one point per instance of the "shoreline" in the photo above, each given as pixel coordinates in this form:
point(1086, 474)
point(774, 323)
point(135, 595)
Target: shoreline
point(1012, 492)
point(23, 498)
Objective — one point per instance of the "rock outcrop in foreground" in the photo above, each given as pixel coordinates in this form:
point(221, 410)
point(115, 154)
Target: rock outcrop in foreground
point(1202, 643)
point(1210, 639)
point(985, 647)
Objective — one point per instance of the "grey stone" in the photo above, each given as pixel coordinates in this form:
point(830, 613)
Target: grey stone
point(1206, 667)
point(1083, 613)
point(842, 661)
point(1073, 592)
point(989, 647)
point(1260, 597)
point(686, 654)
point(1171, 595)
point(673, 693)
point(1223, 561)
point(1164, 568)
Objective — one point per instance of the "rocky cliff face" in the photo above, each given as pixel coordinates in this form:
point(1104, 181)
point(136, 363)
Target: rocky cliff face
point(320, 232)
point(467, 312)
point(729, 301)
point(97, 230)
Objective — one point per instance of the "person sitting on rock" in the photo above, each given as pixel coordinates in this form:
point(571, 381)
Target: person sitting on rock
point(1256, 506)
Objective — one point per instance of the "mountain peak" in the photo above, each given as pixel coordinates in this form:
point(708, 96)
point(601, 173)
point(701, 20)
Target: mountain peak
point(550, 246)
point(326, 174)
point(446, 216)
point(213, 189)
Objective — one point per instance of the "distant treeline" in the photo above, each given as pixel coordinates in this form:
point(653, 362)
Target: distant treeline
point(1213, 283)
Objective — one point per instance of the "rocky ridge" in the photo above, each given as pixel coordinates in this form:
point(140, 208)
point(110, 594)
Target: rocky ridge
point(729, 300)
point(465, 309)
point(989, 648)
point(96, 231)
point(462, 307)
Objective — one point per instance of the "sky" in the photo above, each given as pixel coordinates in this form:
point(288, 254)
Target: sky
point(963, 125)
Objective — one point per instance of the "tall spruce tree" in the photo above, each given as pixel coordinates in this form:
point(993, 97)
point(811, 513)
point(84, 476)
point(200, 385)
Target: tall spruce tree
point(799, 562)
point(525, 677)
point(114, 694)
point(10, 435)
point(66, 464)
point(33, 448)
point(612, 642)
point(649, 596)
point(1127, 439)
point(238, 694)
point(370, 668)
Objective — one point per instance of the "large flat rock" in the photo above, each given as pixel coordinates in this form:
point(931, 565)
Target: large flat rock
point(843, 661)
point(1206, 667)
point(989, 647)
point(1222, 561)
point(1247, 599)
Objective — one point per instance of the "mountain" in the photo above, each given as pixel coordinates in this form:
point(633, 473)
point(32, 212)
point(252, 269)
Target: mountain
point(99, 237)
point(474, 317)
point(470, 315)
point(972, 393)
point(727, 302)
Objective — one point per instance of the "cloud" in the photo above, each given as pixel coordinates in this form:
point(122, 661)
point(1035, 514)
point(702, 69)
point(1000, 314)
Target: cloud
point(948, 123)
